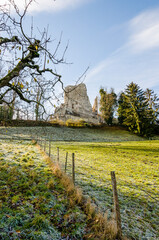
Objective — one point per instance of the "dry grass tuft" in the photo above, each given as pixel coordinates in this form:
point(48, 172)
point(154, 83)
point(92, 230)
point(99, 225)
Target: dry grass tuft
point(101, 228)
point(79, 196)
point(90, 209)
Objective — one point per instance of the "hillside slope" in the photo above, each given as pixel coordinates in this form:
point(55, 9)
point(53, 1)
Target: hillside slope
point(106, 134)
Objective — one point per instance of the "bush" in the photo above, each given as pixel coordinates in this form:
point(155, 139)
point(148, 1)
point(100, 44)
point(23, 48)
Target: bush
point(57, 122)
point(75, 123)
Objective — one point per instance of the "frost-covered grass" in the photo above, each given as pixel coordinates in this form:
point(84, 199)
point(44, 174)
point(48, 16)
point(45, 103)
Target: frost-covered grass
point(33, 203)
point(136, 165)
point(110, 134)
point(99, 151)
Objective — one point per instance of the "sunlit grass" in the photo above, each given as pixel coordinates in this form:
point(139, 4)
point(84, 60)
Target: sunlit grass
point(136, 167)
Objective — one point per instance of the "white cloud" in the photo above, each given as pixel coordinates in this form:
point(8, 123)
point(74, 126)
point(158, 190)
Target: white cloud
point(99, 68)
point(144, 31)
point(105, 64)
point(48, 5)
point(120, 69)
point(137, 60)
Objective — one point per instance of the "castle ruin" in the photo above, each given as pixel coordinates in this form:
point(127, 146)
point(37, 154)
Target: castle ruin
point(77, 106)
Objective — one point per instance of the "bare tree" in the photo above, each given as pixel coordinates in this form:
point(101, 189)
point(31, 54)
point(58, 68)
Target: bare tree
point(27, 58)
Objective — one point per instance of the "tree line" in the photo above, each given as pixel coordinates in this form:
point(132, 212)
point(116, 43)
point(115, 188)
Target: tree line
point(137, 110)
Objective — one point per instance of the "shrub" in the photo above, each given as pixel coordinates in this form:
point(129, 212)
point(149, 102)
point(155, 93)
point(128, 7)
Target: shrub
point(75, 123)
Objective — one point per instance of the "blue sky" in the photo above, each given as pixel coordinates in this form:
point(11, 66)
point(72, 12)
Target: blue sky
point(117, 39)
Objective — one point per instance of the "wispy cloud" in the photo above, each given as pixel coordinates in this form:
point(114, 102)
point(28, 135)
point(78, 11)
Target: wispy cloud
point(48, 5)
point(144, 31)
point(136, 60)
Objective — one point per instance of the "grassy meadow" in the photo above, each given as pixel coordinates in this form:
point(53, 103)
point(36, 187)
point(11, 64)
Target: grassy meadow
point(136, 165)
point(33, 203)
point(135, 161)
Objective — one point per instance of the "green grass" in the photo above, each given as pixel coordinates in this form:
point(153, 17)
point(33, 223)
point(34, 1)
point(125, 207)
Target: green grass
point(33, 203)
point(97, 152)
point(136, 165)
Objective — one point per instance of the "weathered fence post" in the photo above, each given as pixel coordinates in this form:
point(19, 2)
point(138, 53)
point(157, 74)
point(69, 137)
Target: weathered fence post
point(58, 154)
point(116, 206)
point(49, 147)
point(66, 161)
point(73, 168)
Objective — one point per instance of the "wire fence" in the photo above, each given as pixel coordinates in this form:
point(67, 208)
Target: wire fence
point(139, 207)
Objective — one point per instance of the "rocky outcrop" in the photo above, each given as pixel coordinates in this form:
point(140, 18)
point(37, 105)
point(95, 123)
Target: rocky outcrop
point(76, 105)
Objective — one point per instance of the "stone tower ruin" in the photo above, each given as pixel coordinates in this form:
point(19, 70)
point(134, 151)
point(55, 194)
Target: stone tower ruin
point(76, 105)
point(95, 106)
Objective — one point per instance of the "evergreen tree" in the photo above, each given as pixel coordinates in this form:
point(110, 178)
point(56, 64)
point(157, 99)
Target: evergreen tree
point(108, 103)
point(153, 103)
point(122, 105)
point(134, 110)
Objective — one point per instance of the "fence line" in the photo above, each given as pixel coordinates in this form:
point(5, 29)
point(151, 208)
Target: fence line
point(120, 180)
point(116, 202)
point(65, 165)
point(128, 211)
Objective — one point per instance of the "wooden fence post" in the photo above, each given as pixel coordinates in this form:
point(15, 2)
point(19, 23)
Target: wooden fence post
point(116, 206)
point(73, 168)
point(66, 161)
point(49, 148)
point(58, 154)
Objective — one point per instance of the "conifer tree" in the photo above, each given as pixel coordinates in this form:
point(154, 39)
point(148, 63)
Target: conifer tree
point(122, 105)
point(134, 110)
point(153, 103)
